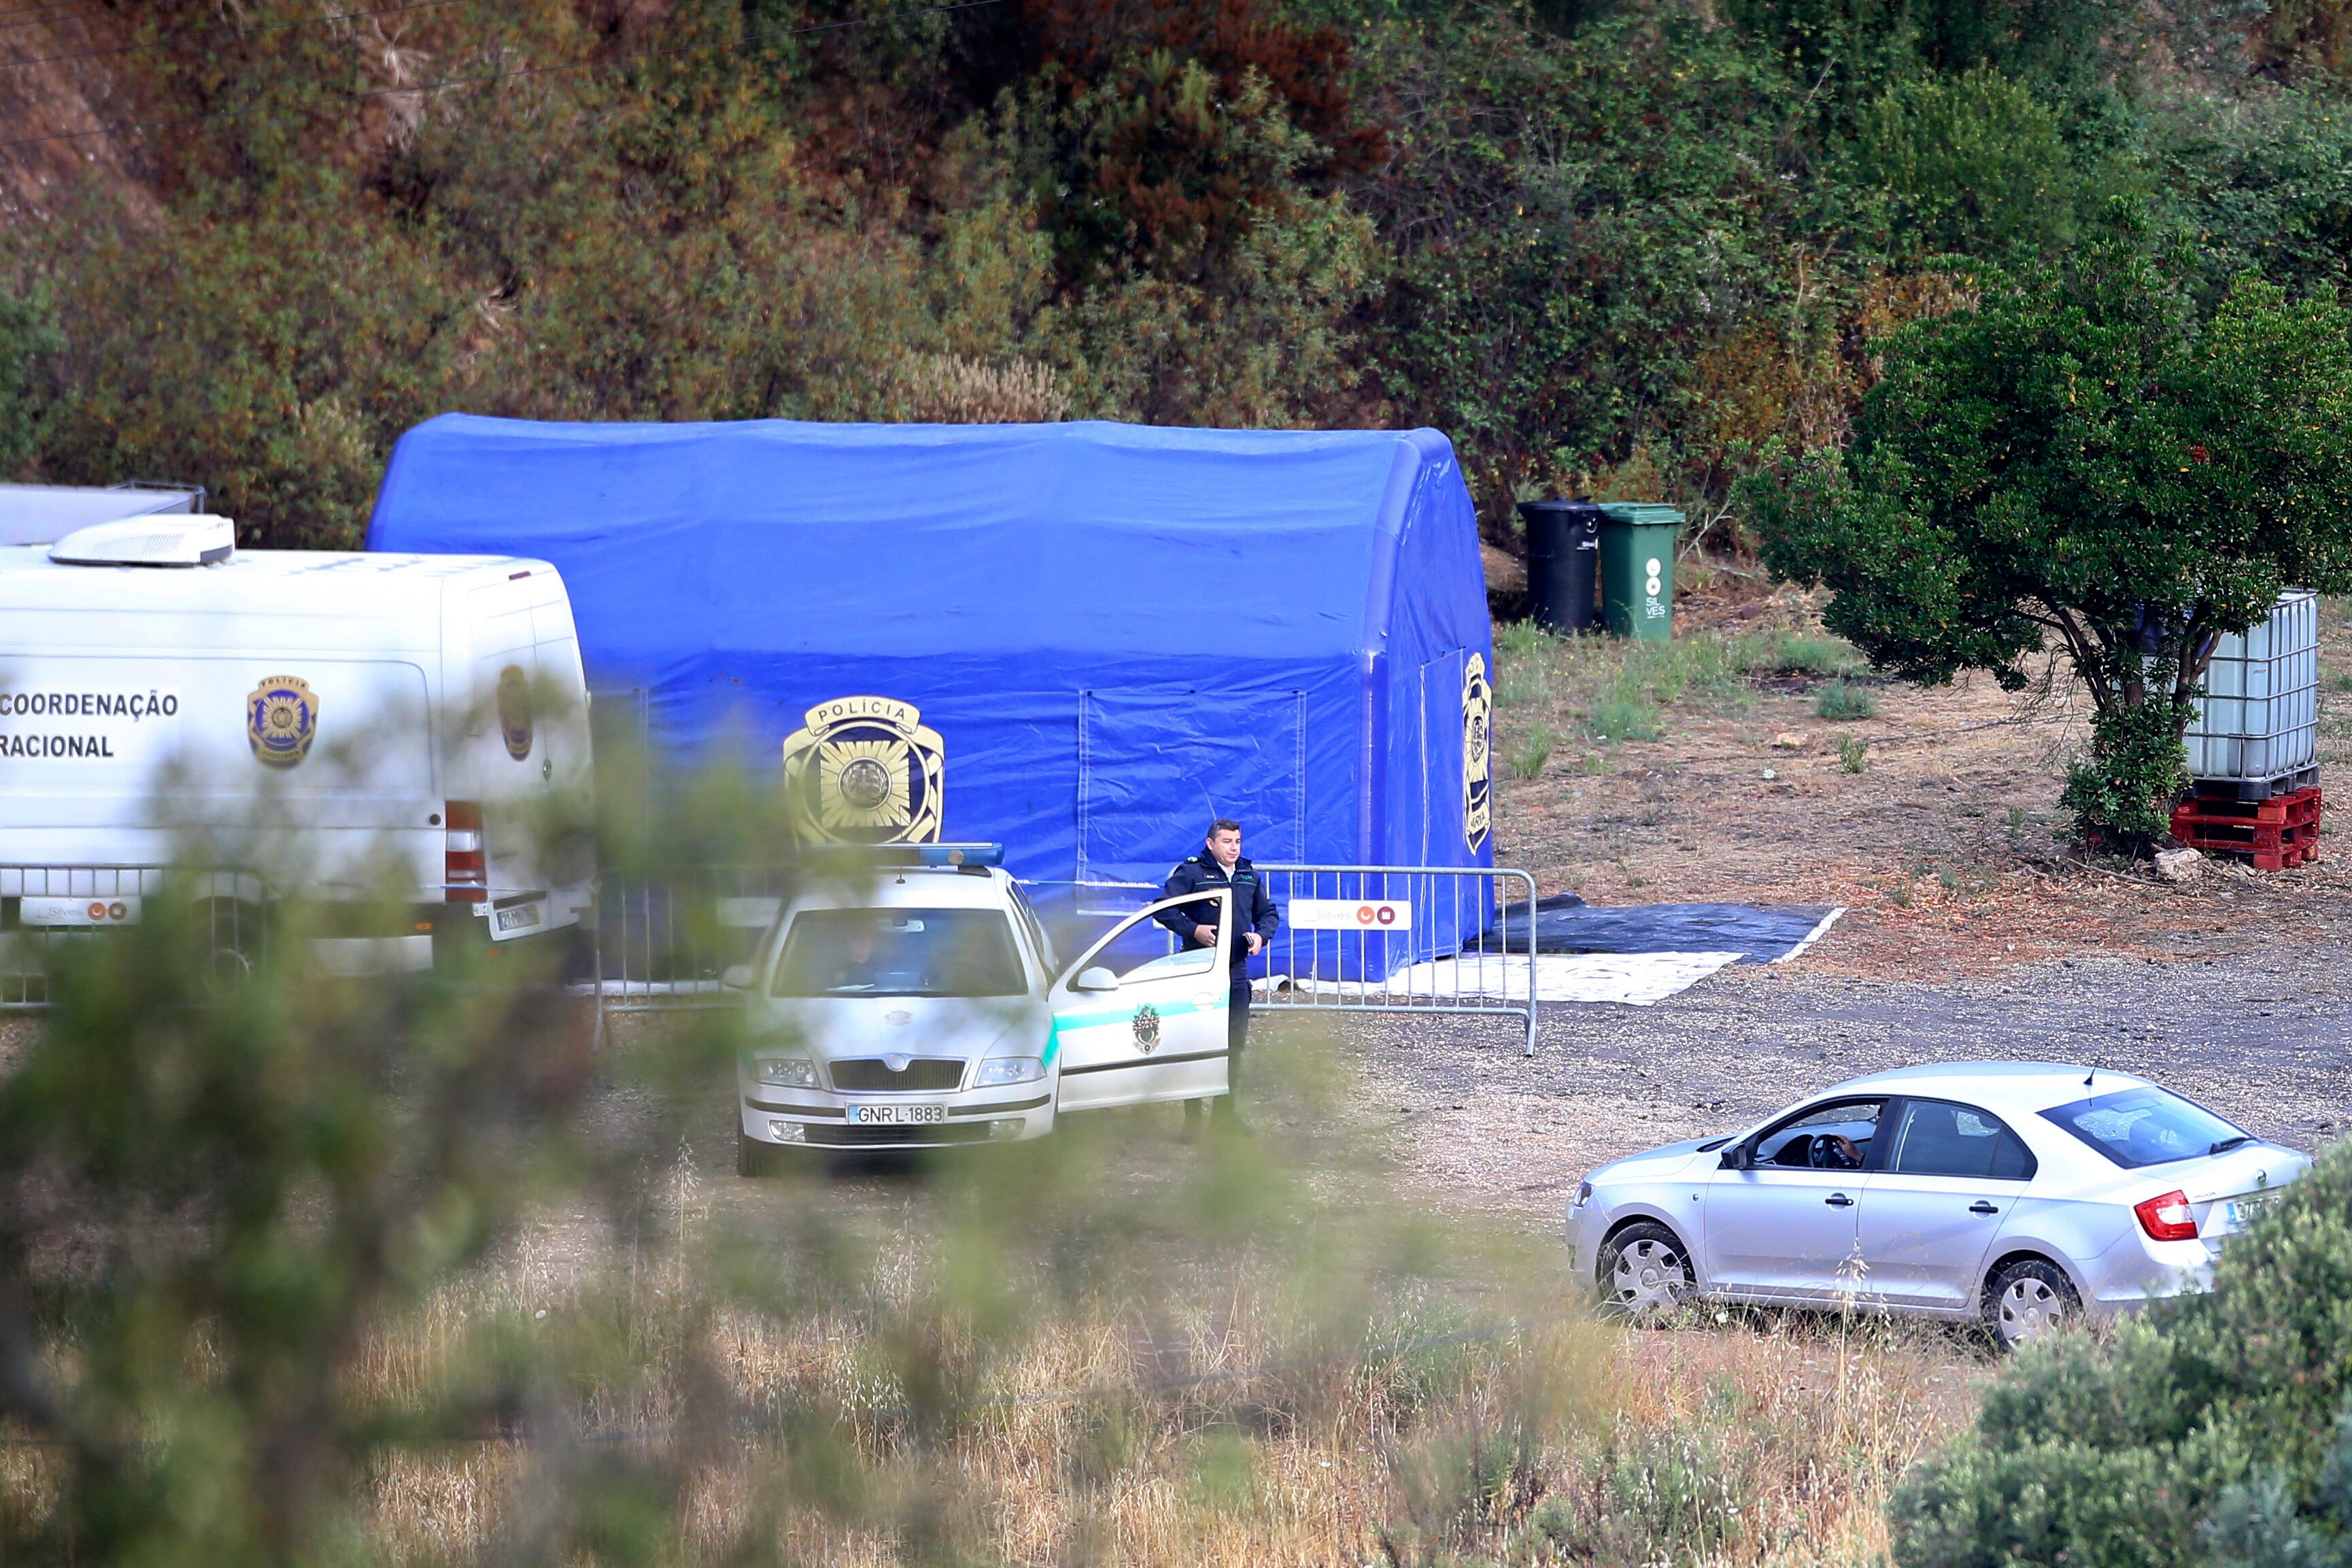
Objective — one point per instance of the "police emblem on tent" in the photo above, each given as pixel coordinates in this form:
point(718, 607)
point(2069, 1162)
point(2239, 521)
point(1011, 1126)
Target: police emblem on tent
point(281, 720)
point(514, 712)
point(1477, 751)
point(864, 770)
point(1147, 1028)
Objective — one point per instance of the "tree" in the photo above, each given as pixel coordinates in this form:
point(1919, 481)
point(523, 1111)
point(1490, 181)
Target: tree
point(2084, 461)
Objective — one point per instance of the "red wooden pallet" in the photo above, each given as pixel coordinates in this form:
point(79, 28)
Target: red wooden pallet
point(2277, 858)
point(2252, 837)
point(2273, 835)
point(2300, 806)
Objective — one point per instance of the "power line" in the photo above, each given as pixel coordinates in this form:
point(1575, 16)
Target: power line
point(227, 33)
point(451, 83)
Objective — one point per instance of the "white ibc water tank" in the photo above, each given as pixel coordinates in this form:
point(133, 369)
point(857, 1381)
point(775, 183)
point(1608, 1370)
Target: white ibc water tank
point(2259, 719)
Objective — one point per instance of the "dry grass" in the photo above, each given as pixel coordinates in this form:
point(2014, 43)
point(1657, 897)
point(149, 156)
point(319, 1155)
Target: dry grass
point(1101, 1348)
point(1237, 1421)
point(948, 389)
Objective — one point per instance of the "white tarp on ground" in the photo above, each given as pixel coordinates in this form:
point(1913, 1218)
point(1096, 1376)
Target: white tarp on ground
point(1815, 935)
point(1637, 979)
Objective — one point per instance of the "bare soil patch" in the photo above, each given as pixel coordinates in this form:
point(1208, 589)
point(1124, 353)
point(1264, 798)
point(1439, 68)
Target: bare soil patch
point(1945, 845)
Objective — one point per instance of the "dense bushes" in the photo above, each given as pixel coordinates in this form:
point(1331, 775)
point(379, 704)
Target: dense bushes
point(791, 230)
point(1636, 244)
point(1577, 228)
point(2210, 1431)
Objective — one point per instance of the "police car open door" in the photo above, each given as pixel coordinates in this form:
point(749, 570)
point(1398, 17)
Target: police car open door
point(1156, 1031)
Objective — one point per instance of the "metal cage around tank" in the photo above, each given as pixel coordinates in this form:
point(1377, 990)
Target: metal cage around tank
point(2257, 724)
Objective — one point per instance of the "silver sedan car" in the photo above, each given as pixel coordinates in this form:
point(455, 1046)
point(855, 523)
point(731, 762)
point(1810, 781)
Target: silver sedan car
point(2022, 1193)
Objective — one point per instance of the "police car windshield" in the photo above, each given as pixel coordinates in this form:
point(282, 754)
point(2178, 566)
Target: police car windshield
point(899, 952)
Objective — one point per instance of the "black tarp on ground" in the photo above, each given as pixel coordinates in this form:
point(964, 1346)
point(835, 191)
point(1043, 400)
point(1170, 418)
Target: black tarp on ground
point(1566, 924)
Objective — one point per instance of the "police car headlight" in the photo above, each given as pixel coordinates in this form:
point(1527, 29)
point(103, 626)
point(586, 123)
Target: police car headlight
point(785, 1072)
point(1009, 1069)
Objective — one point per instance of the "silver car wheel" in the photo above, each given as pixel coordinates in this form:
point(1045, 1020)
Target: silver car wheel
point(2028, 1308)
point(1649, 1278)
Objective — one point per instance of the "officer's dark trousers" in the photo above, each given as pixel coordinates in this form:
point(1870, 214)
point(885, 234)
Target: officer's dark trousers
point(1236, 1038)
point(1237, 1030)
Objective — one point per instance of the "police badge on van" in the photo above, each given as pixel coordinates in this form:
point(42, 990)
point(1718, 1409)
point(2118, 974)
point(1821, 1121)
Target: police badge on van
point(1477, 751)
point(514, 712)
point(281, 720)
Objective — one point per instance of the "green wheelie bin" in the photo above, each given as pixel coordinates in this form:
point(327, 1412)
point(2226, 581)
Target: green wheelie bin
point(1637, 568)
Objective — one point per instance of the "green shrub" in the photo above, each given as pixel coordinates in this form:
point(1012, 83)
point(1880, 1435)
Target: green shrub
point(1975, 162)
point(1952, 529)
point(1796, 653)
point(2177, 1438)
point(2121, 794)
point(1522, 640)
point(1528, 757)
point(1623, 712)
point(1853, 754)
point(1844, 700)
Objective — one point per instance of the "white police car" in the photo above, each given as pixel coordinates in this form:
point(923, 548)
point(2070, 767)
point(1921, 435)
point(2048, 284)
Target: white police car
point(910, 997)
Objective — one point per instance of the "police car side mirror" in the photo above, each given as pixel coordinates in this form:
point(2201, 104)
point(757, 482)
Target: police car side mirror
point(1096, 979)
point(738, 977)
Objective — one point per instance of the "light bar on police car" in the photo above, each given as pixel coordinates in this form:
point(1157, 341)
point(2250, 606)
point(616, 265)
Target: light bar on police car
point(910, 854)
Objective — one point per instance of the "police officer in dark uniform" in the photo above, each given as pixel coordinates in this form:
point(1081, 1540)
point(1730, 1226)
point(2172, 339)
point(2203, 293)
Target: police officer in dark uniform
point(1220, 865)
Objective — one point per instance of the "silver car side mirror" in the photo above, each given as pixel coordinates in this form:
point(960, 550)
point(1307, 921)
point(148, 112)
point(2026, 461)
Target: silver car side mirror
point(1096, 979)
point(738, 977)
point(1736, 1158)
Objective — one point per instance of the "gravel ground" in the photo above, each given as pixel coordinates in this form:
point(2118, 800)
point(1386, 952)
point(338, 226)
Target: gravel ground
point(2258, 1029)
point(2261, 1036)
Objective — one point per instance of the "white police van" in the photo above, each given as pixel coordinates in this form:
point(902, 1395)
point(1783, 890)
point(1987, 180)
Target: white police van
point(305, 722)
point(909, 997)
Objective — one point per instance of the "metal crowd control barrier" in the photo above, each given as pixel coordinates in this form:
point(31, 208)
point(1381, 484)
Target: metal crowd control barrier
point(1402, 939)
point(663, 942)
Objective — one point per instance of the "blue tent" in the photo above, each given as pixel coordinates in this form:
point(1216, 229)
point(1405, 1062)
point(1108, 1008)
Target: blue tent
point(1083, 640)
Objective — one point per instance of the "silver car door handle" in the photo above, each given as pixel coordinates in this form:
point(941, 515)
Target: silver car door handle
point(1980, 1206)
point(1839, 1201)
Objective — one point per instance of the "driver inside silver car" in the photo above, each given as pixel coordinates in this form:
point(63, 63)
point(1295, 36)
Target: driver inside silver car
point(1827, 1138)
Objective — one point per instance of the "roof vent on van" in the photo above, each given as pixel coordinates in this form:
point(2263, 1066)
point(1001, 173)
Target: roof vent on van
point(148, 541)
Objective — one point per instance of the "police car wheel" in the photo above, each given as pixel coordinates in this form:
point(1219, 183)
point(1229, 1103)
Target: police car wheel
point(755, 1159)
